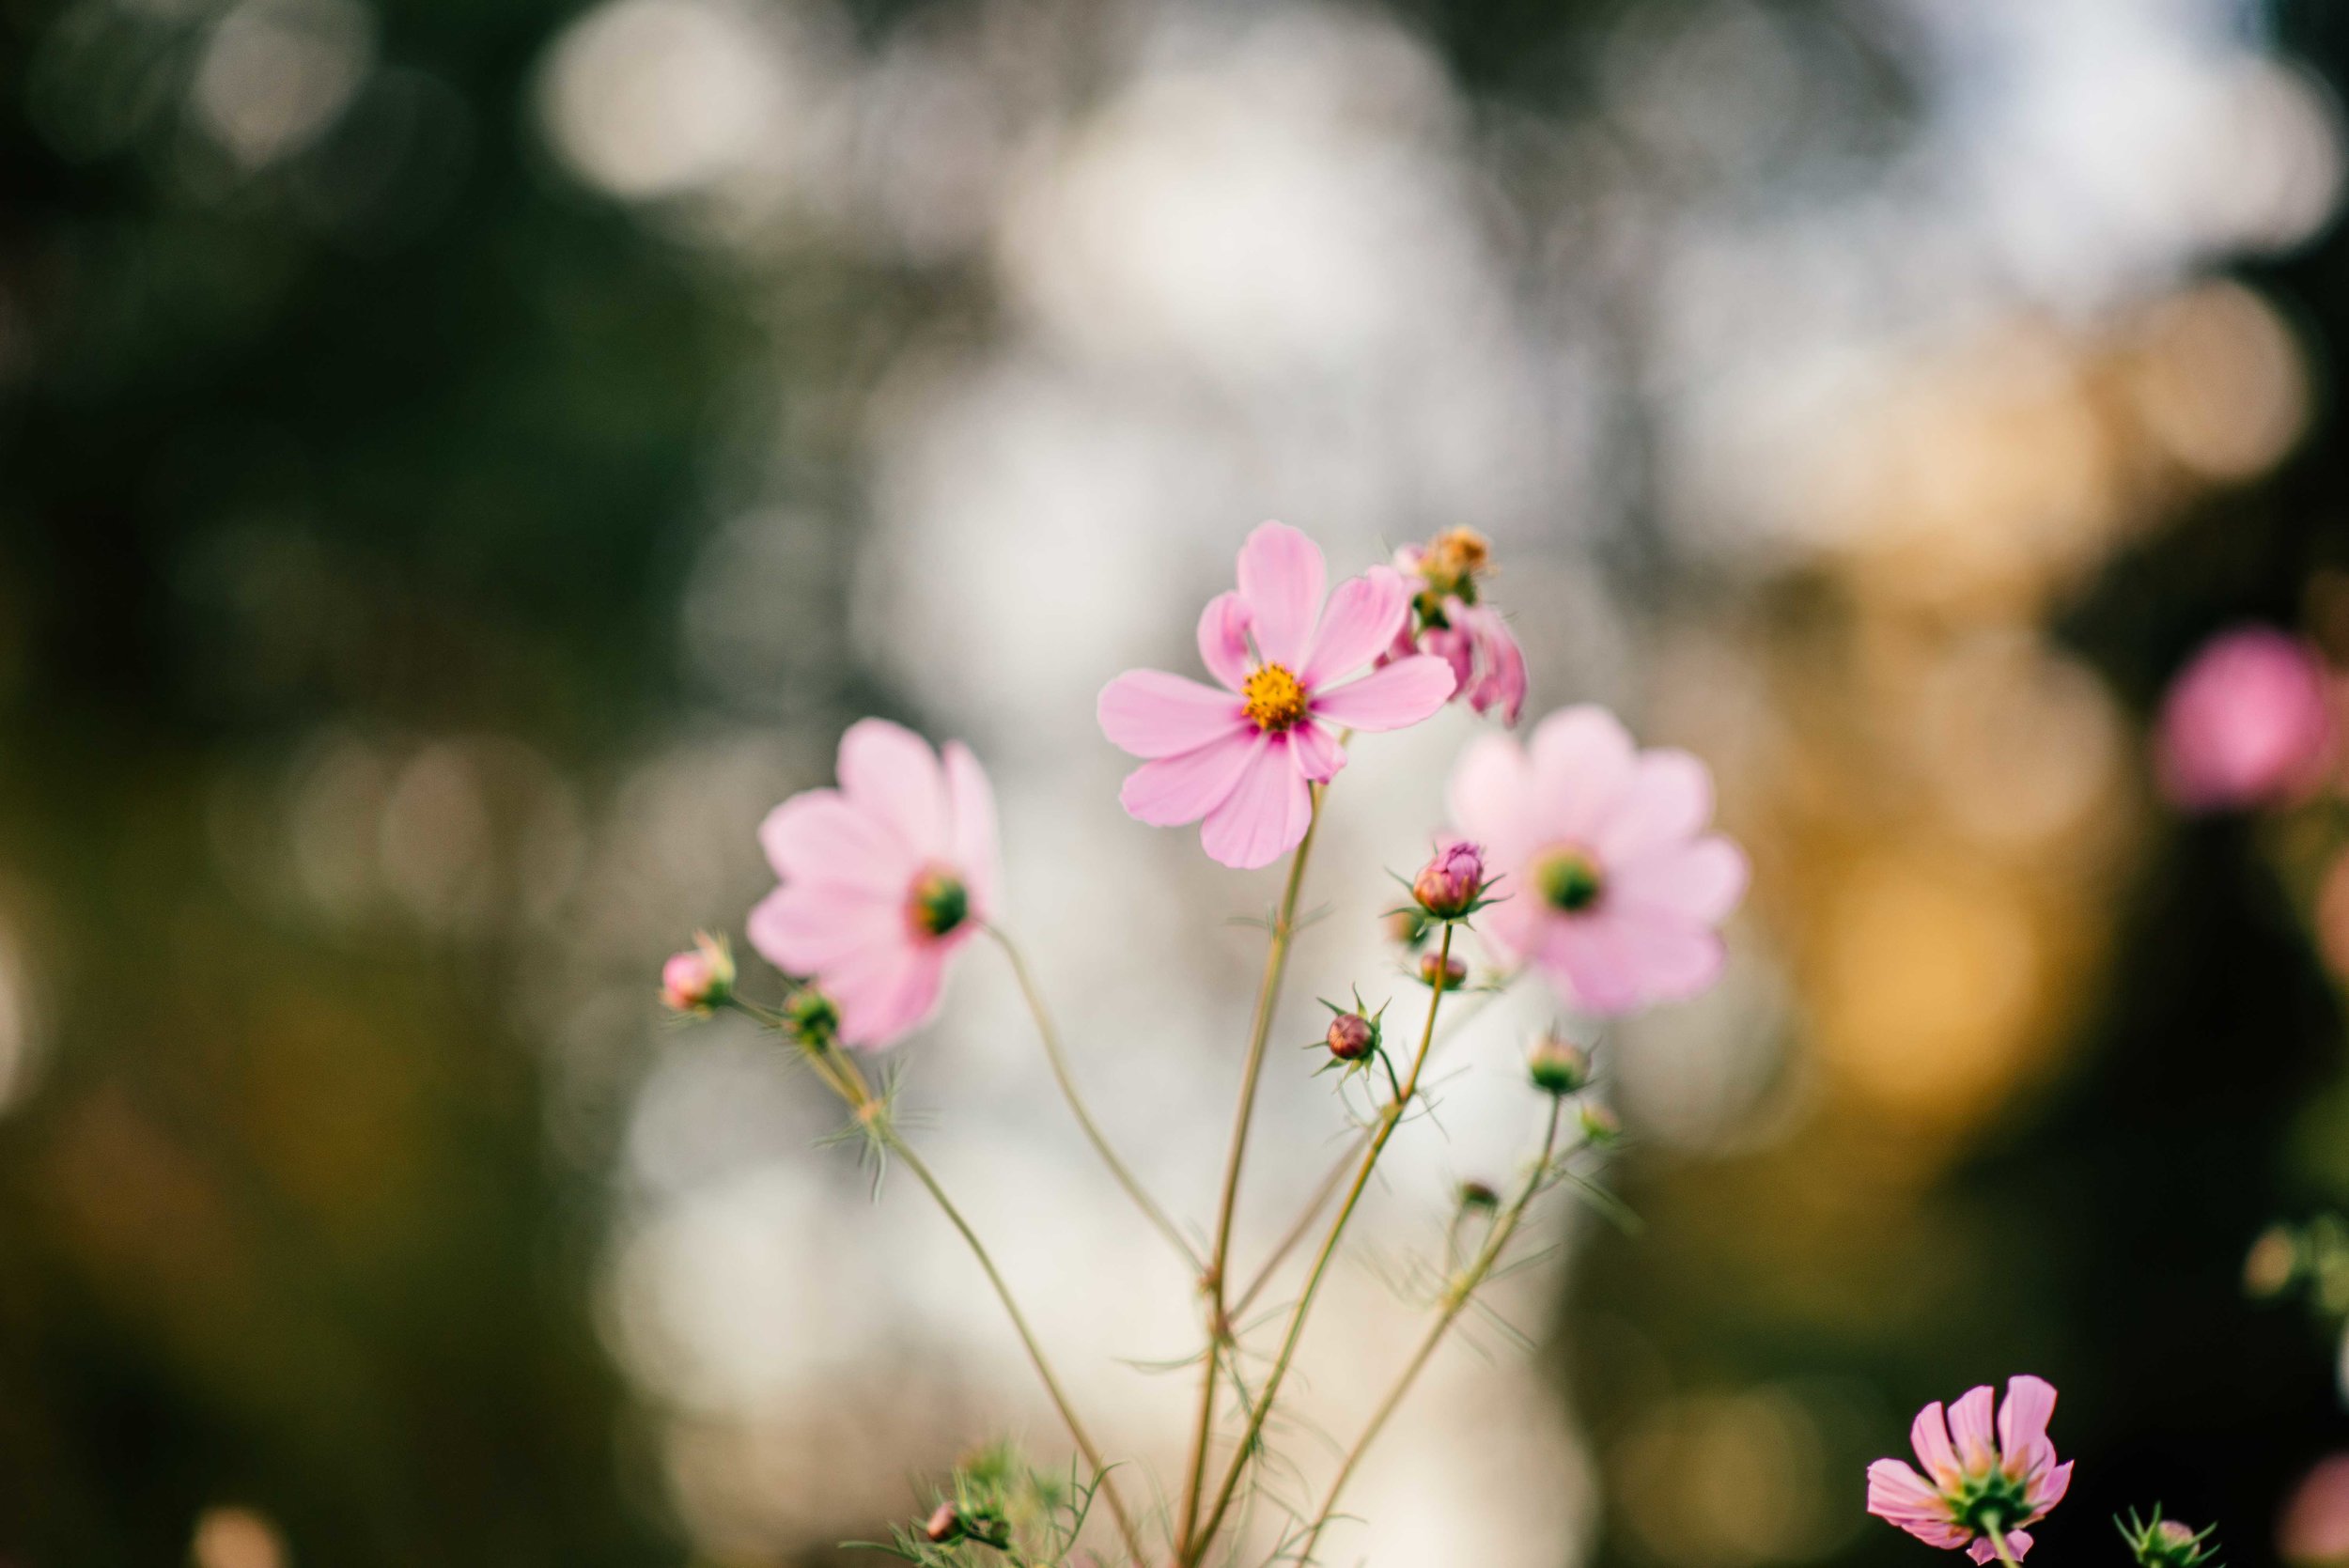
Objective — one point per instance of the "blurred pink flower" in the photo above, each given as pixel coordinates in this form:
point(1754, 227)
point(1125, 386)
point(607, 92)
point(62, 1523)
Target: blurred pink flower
point(2248, 722)
point(882, 879)
point(1613, 887)
point(1448, 622)
point(2313, 1531)
point(1244, 757)
point(1977, 1479)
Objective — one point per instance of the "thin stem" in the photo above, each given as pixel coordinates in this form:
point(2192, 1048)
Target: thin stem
point(1388, 1121)
point(1053, 1053)
point(1456, 1301)
point(1327, 1189)
point(1997, 1544)
point(1219, 1313)
point(845, 1079)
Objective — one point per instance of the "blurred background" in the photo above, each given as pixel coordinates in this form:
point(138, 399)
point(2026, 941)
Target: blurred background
point(459, 464)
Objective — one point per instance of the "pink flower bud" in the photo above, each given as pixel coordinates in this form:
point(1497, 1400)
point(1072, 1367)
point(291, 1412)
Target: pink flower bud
point(2248, 722)
point(1449, 976)
point(944, 1524)
point(1559, 1066)
point(1599, 1124)
point(1351, 1035)
point(1406, 927)
point(2314, 1529)
point(1447, 885)
point(700, 979)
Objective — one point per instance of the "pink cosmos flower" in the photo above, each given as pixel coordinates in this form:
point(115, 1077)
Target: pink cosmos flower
point(1244, 757)
point(2248, 722)
point(882, 879)
point(1447, 622)
point(1976, 1480)
point(1613, 886)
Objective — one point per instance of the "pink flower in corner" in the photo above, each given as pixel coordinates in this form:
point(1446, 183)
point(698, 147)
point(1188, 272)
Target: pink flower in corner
point(2248, 722)
point(1244, 757)
point(1614, 887)
point(1978, 1477)
point(1449, 621)
point(882, 879)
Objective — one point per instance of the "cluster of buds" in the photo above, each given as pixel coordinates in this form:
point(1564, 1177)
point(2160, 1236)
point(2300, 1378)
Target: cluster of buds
point(2159, 1543)
point(1448, 621)
point(700, 980)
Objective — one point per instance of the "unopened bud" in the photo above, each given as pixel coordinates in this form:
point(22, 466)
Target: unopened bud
point(1447, 885)
point(1351, 1036)
point(811, 1017)
point(700, 979)
point(1599, 1124)
point(1441, 974)
point(1478, 1195)
point(1407, 927)
point(1559, 1066)
point(944, 1524)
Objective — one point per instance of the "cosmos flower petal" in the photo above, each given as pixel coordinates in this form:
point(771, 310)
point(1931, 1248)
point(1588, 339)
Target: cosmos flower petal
point(1223, 638)
point(1391, 698)
point(885, 993)
point(1362, 618)
point(805, 928)
point(1670, 957)
point(1596, 962)
point(1282, 578)
point(1265, 814)
point(1929, 1435)
point(1150, 713)
point(1670, 799)
point(1702, 880)
point(971, 836)
point(818, 835)
point(2023, 1418)
point(2050, 1490)
point(2017, 1542)
point(891, 772)
point(1487, 796)
point(1583, 764)
point(1318, 754)
point(1173, 790)
point(1970, 1430)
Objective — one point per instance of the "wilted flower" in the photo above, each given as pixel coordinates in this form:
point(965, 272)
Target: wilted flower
point(1448, 974)
point(882, 879)
point(1447, 622)
point(1559, 1066)
point(1244, 757)
point(1976, 1480)
point(699, 979)
point(1448, 884)
point(1618, 886)
point(2248, 722)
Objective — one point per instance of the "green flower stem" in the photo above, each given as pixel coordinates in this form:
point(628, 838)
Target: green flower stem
point(872, 1113)
point(1219, 1314)
point(1050, 1036)
point(1997, 1544)
point(1456, 1299)
point(1389, 1120)
point(1345, 1162)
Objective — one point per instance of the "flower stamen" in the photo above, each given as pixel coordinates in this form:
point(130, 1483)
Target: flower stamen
point(1275, 700)
point(939, 901)
point(1569, 881)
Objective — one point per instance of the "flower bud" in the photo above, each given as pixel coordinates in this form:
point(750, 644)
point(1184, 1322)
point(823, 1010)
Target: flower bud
point(812, 1018)
point(1600, 1126)
point(1407, 927)
point(699, 980)
point(1559, 1066)
point(1478, 1195)
point(1351, 1036)
point(944, 1524)
point(1442, 974)
point(1447, 885)
point(2273, 1262)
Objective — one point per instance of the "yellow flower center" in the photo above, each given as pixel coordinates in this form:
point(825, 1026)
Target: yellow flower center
point(1275, 700)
